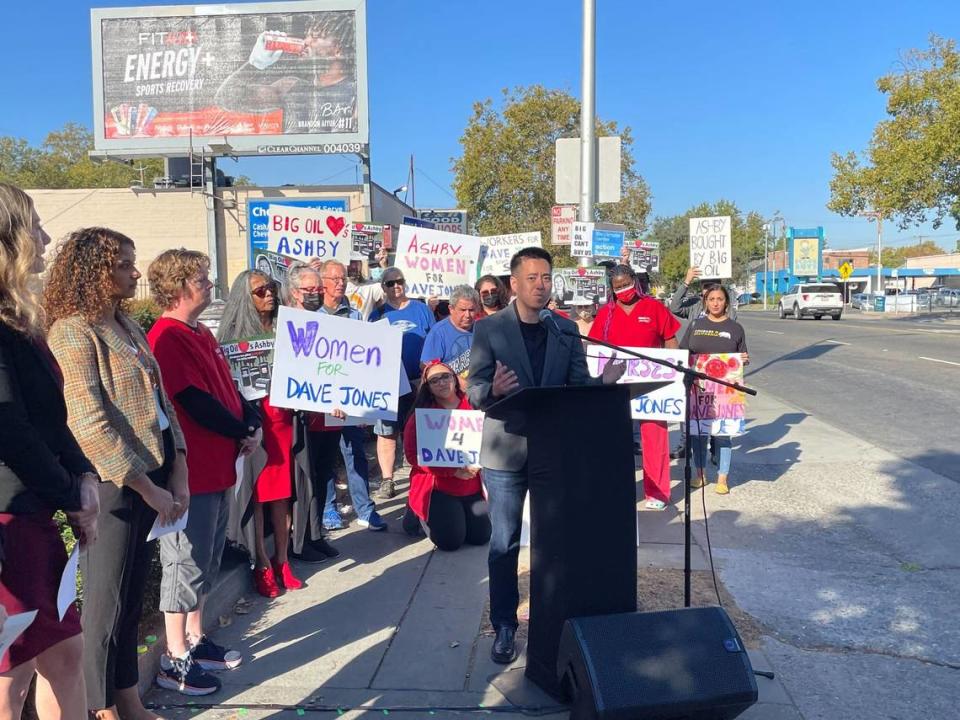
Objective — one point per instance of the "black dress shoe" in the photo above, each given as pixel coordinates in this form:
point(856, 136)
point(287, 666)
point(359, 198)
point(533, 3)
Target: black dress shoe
point(310, 553)
point(504, 648)
point(326, 548)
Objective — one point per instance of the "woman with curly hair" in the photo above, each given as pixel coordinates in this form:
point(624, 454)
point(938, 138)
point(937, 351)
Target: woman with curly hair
point(126, 424)
point(249, 312)
point(42, 470)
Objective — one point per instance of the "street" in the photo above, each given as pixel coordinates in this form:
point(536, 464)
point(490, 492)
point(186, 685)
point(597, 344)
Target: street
point(893, 383)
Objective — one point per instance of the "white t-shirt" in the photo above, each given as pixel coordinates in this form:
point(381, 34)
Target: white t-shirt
point(364, 298)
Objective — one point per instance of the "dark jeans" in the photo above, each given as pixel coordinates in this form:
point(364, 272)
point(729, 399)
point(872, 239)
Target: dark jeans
point(322, 447)
point(358, 472)
point(455, 520)
point(115, 570)
point(505, 493)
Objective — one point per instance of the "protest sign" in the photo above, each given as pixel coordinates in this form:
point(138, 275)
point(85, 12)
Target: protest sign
point(273, 265)
point(435, 262)
point(366, 238)
point(322, 363)
point(304, 233)
point(710, 246)
point(562, 218)
point(608, 240)
point(500, 248)
point(250, 360)
point(667, 403)
point(580, 286)
point(581, 239)
point(718, 409)
point(645, 256)
point(448, 438)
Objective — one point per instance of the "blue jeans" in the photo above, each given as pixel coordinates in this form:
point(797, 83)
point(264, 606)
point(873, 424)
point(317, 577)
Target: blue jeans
point(505, 493)
point(700, 444)
point(358, 471)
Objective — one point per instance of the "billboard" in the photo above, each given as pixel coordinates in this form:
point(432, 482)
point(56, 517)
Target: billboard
point(805, 251)
point(262, 78)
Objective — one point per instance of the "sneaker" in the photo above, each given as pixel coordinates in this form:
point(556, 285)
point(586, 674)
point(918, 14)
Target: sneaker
point(266, 582)
point(677, 452)
point(653, 504)
point(185, 676)
point(332, 520)
point(210, 656)
point(285, 576)
point(387, 491)
point(373, 522)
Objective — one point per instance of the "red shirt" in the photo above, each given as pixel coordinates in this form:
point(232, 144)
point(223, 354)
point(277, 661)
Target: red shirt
point(191, 356)
point(649, 324)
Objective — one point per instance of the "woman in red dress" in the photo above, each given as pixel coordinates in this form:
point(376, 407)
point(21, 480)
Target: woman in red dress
point(448, 501)
point(249, 312)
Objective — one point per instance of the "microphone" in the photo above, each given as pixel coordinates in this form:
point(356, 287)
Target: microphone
point(550, 322)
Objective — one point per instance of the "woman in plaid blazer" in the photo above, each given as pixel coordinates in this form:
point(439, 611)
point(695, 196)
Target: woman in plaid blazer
point(127, 426)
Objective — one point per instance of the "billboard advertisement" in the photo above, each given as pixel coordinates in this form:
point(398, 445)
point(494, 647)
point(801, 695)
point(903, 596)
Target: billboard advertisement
point(454, 221)
point(805, 251)
point(262, 78)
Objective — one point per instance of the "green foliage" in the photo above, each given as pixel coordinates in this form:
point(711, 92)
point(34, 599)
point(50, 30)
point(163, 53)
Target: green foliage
point(673, 234)
point(144, 312)
point(911, 169)
point(62, 161)
point(505, 176)
point(894, 257)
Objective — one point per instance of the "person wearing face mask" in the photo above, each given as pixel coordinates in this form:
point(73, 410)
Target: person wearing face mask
point(493, 295)
point(584, 316)
point(632, 319)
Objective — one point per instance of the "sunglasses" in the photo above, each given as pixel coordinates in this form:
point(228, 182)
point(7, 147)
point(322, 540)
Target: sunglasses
point(391, 283)
point(440, 379)
point(262, 291)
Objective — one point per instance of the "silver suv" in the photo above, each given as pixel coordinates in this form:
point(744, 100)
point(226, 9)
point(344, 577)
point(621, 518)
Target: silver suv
point(816, 299)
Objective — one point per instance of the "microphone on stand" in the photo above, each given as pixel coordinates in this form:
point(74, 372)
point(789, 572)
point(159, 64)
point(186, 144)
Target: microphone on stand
point(550, 322)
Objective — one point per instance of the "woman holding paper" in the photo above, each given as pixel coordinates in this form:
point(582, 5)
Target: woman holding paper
point(449, 502)
point(250, 312)
point(126, 424)
point(714, 333)
point(42, 470)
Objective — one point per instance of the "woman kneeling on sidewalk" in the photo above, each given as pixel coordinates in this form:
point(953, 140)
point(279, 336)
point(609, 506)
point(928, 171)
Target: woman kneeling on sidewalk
point(448, 501)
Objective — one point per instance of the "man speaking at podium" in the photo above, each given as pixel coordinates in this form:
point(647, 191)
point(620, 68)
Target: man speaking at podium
point(513, 349)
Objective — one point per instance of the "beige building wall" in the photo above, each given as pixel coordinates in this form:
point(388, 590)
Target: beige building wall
point(157, 220)
point(929, 262)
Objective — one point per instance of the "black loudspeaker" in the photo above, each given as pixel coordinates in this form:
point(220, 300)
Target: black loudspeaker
point(686, 663)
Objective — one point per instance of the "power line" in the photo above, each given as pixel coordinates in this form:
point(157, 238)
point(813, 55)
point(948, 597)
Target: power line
point(422, 172)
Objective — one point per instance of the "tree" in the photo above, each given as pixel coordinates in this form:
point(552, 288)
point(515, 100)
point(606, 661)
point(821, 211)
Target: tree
point(673, 234)
point(894, 257)
point(911, 170)
point(62, 161)
point(505, 176)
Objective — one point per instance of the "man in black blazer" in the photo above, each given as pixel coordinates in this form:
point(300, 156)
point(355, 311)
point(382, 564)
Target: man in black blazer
point(511, 350)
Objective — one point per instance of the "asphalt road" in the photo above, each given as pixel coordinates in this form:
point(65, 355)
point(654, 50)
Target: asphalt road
point(894, 383)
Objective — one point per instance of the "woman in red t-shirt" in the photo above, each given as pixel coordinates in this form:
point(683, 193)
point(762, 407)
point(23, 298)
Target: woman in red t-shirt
point(448, 501)
point(632, 319)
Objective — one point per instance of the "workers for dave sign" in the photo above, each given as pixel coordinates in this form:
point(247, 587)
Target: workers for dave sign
point(434, 262)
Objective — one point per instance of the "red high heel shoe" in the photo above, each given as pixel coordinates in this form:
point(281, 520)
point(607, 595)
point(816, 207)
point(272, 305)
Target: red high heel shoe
point(285, 576)
point(266, 582)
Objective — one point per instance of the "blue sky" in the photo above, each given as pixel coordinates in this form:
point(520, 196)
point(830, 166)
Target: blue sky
point(739, 100)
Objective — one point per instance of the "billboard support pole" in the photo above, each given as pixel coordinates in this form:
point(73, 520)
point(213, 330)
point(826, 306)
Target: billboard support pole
point(588, 102)
point(210, 198)
point(367, 207)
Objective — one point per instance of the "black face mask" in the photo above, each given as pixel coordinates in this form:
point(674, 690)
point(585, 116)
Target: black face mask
point(311, 301)
point(491, 300)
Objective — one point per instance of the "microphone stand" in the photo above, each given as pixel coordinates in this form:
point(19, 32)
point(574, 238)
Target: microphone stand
point(689, 375)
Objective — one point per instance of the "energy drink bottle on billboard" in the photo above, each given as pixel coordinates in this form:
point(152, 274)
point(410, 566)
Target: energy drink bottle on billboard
point(284, 43)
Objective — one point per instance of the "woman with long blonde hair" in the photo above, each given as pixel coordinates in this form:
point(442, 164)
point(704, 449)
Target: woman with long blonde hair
point(42, 470)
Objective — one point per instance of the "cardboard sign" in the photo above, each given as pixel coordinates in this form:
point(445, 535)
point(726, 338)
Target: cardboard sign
point(718, 409)
point(448, 438)
point(562, 218)
point(580, 286)
point(434, 262)
point(581, 239)
point(323, 363)
point(250, 360)
point(501, 248)
point(710, 246)
point(667, 403)
point(305, 233)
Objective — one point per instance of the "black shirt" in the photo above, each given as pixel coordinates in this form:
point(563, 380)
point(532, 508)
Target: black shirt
point(706, 337)
point(535, 339)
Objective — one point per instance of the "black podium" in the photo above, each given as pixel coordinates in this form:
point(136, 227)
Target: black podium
point(583, 521)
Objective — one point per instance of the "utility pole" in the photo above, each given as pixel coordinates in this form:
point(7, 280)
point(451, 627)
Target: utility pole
point(769, 225)
point(878, 216)
point(588, 105)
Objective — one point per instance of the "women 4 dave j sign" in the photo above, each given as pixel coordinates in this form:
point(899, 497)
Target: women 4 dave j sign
point(667, 403)
point(323, 363)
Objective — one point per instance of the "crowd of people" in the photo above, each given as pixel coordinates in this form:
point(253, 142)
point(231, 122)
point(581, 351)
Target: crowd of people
point(123, 431)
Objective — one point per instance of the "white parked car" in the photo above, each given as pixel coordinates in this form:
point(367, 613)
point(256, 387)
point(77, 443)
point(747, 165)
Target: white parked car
point(814, 299)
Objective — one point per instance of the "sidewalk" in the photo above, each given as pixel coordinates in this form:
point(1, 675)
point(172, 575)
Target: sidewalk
point(817, 547)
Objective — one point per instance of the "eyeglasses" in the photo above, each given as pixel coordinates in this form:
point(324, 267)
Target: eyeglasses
point(487, 293)
point(391, 283)
point(261, 292)
point(311, 290)
point(440, 379)
point(337, 280)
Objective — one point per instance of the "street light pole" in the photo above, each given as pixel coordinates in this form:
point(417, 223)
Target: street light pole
point(588, 105)
point(767, 226)
point(878, 216)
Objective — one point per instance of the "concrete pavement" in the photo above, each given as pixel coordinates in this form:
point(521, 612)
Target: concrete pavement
point(844, 552)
